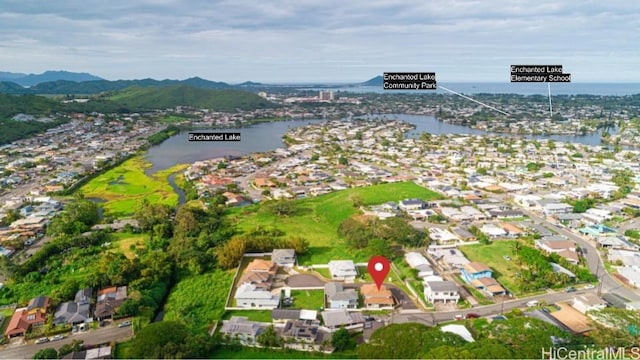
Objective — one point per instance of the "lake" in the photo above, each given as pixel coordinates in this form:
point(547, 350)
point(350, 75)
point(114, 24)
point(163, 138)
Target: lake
point(267, 136)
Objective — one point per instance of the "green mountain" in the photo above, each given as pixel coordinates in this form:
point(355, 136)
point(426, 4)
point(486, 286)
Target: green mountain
point(9, 87)
point(100, 86)
point(140, 99)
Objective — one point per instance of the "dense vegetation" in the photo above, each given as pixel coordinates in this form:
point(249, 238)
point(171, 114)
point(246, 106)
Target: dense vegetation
point(152, 98)
point(169, 340)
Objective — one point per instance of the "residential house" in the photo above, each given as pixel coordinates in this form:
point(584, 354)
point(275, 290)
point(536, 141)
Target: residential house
point(551, 209)
point(418, 262)
point(475, 270)
point(109, 300)
point(284, 257)
point(284, 315)
point(411, 204)
point(249, 295)
point(343, 270)
point(337, 297)
point(74, 312)
point(564, 248)
point(300, 331)
point(335, 319)
point(260, 273)
point(441, 291)
point(493, 231)
point(239, 327)
point(103, 352)
point(588, 302)
point(375, 298)
point(23, 319)
point(489, 285)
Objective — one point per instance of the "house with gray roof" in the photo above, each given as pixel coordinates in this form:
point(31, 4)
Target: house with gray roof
point(337, 297)
point(334, 319)
point(444, 291)
point(343, 270)
point(284, 257)
point(250, 296)
point(239, 327)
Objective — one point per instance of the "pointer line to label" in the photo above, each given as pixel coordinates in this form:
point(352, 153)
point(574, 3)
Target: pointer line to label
point(475, 101)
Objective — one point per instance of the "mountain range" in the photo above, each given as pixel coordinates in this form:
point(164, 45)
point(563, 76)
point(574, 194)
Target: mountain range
point(27, 80)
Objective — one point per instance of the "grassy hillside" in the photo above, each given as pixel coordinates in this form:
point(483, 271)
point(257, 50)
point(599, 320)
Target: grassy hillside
point(317, 219)
point(171, 96)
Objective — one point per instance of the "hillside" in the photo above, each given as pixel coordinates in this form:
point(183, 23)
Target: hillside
point(139, 99)
point(375, 81)
point(100, 86)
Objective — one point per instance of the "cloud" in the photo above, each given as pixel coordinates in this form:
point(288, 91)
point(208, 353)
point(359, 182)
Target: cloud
point(330, 40)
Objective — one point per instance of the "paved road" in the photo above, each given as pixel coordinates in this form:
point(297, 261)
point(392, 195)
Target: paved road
point(433, 318)
point(99, 336)
point(594, 262)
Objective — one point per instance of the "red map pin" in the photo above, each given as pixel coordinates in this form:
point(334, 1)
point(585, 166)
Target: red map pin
point(378, 268)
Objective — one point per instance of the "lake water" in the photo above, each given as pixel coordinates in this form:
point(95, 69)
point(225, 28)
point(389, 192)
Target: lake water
point(268, 136)
point(256, 138)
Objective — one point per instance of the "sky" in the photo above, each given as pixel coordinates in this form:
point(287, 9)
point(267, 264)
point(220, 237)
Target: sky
point(321, 41)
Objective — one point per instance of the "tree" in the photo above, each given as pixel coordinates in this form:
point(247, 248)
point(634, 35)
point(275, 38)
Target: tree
point(47, 353)
point(74, 346)
point(343, 160)
point(229, 254)
point(340, 339)
point(269, 338)
point(165, 340)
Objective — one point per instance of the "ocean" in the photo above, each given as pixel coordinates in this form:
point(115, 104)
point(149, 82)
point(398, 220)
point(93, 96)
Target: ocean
point(615, 89)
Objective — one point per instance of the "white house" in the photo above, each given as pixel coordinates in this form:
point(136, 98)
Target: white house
point(343, 270)
point(444, 291)
point(493, 231)
point(588, 302)
point(249, 296)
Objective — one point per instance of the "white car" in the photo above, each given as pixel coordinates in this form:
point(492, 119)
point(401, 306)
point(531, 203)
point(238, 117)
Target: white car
point(590, 286)
point(57, 337)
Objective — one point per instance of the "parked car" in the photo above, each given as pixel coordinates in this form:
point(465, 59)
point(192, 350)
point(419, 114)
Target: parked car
point(57, 337)
point(473, 316)
point(124, 324)
point(590, 286)
point(570, 289)
point(458, 317)
point(532, 303)
point(42, 340)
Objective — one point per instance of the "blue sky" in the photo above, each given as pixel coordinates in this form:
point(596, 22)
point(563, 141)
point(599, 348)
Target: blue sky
point(328, 40)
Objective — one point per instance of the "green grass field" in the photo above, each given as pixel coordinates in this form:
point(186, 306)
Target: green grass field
point(318, 218)
point(308, 299)
point(123, 241)
point(198, 300)
point(493, 255)
point(252, 315)
point(126, 185)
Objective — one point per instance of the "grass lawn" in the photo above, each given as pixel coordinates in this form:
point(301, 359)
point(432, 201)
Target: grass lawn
point(252, 315)
point(317, 219)
point(126, 185)
point(492, 254)
point(308, 299)
point(123, 242)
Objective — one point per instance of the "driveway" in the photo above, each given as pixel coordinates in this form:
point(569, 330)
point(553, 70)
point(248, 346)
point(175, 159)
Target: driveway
point(304, 280)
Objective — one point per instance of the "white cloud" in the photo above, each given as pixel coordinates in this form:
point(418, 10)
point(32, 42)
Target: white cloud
point(320, 40)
